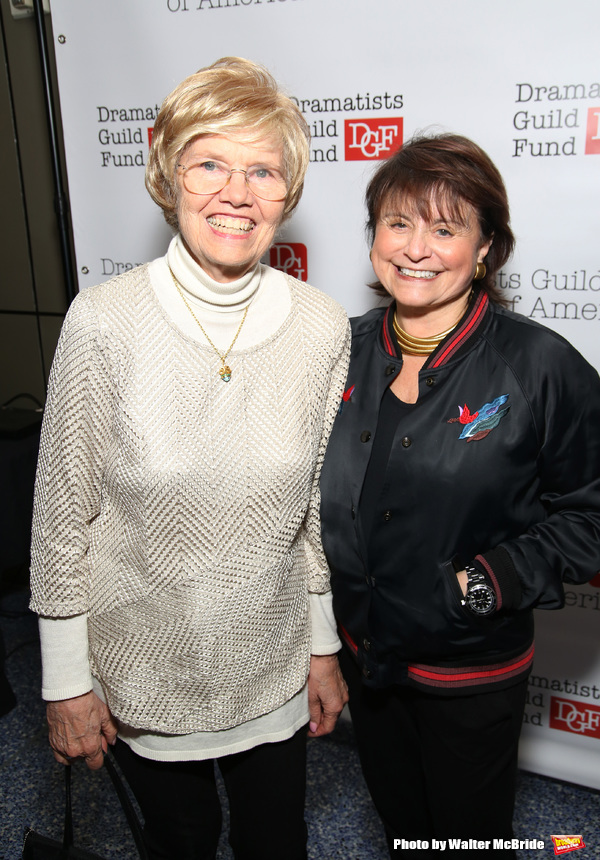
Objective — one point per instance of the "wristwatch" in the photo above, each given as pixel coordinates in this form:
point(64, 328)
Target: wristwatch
point(480, 597)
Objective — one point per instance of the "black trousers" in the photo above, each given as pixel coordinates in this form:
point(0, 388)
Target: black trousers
point(182, 813)
point(438, 767)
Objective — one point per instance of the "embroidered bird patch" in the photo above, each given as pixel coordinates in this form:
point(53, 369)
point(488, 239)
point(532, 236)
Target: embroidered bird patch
point(477, 425)
point(346, 396)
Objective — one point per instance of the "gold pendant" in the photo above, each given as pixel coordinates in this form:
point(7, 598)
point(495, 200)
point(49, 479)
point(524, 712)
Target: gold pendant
point(225, 373)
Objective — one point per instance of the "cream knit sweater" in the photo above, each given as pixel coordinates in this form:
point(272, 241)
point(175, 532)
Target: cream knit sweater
point(179, 511)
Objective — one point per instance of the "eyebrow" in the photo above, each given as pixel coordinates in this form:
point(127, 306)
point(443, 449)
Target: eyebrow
point(199, 159)
point(434, 223)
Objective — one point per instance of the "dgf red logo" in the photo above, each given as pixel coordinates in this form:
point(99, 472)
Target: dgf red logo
point(290, 257)
point(372, 139)
point(592, 137)
point(569, 716)
point(150, 135)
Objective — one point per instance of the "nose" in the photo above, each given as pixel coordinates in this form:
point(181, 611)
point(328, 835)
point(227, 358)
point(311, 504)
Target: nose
point(235, 190)
point(417, 245)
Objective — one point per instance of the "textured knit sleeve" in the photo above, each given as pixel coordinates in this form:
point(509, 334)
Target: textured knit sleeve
point(76, 433)
point(312, 548)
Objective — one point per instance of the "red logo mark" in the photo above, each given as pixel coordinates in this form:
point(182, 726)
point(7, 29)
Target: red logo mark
point(372, 139)
point(592, 136)
point(150, 133)
point(348, 394)
point(569, 716)
point(595, 581)
point(290, 257)
point(563, 844)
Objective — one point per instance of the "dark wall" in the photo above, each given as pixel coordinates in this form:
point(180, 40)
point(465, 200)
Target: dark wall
point(33, 296)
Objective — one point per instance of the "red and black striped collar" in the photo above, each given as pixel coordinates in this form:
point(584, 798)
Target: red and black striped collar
point(459, 337)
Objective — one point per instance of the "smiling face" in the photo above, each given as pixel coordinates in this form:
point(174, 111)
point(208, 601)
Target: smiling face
point(427, 264)
point(228, 232)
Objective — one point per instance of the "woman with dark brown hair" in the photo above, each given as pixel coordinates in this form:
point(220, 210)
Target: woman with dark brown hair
point(461, 488)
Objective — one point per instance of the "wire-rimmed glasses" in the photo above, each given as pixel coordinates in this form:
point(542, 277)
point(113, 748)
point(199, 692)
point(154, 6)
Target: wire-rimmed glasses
point(210, 177)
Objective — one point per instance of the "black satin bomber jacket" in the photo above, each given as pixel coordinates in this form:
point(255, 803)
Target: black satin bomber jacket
point(497, 465)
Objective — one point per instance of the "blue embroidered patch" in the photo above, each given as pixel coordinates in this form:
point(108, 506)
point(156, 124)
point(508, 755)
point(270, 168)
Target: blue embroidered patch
point(477, 425)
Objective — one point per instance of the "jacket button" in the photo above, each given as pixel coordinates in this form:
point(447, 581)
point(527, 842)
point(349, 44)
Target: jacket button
point(366, 672)
point(366, 645)
point(365, 435)
point(353, 513)
point(406, 442)
point(391, 368)
point(430, 381)
point(387, 516)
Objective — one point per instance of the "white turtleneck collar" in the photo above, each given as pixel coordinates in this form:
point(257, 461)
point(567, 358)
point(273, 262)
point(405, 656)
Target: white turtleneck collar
point(202, 289)
point(219, 307)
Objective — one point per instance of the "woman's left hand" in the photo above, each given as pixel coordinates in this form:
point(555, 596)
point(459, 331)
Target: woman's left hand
point(463, 581)
point(327, 694)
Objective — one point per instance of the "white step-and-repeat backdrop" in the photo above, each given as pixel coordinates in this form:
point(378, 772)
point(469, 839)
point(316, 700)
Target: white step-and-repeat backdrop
point(520, 78)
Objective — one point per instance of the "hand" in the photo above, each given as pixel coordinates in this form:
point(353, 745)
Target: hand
point(80, 728)
point(463, 581)
point(327, 694)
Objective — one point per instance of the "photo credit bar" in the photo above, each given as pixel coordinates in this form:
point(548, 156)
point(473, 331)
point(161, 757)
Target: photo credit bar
point(461, 845)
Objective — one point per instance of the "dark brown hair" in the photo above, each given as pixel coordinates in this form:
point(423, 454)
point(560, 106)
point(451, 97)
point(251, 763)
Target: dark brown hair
point(446, 170)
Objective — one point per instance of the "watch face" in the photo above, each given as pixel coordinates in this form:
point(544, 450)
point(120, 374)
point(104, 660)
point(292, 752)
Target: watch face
point(481, 599)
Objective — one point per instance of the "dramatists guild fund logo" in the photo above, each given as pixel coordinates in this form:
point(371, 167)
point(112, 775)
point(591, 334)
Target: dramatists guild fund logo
point(290, 257)
point(592, 137)
point(372, 139)
point(570, 716)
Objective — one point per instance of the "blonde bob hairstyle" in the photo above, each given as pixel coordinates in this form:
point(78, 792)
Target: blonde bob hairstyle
point(232, 96)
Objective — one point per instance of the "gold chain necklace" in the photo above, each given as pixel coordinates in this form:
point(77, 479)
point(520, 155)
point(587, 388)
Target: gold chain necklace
point(419, 345)
point(225, 371)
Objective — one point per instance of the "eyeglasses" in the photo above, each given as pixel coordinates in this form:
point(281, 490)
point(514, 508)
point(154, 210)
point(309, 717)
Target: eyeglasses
point(209, 177)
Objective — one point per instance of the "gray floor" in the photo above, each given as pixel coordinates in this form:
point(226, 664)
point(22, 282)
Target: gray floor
point(340, 817)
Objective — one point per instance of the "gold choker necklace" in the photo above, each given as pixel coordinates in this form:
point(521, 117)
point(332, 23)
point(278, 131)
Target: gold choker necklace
point(419, 345)
point(225, 371)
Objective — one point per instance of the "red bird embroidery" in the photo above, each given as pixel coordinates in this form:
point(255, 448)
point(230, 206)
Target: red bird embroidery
point(465, 416)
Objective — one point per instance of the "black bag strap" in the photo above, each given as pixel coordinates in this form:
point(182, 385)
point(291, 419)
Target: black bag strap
point(68, 832)
point(126, 805)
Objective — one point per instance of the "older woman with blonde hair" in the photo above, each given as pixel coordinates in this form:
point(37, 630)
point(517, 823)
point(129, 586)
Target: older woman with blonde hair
point(177, 566)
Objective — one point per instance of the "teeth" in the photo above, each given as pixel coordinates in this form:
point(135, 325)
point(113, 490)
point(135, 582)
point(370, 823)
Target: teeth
point(416, 273)
point(233, 225)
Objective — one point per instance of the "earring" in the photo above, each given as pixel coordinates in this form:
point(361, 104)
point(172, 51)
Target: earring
point(480, 271)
